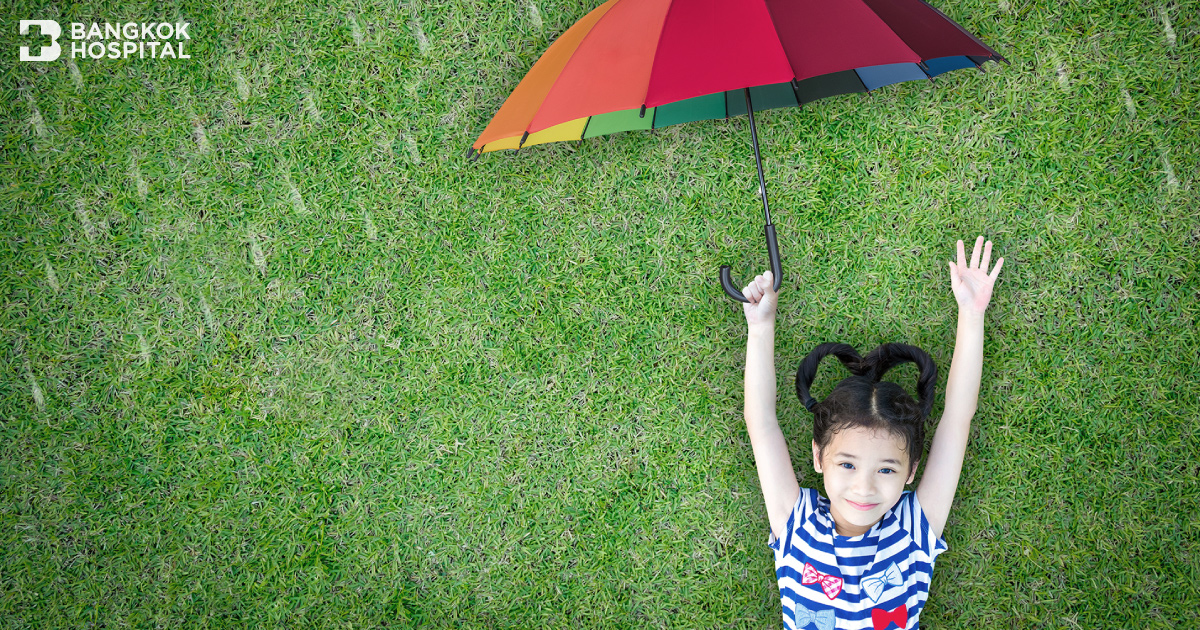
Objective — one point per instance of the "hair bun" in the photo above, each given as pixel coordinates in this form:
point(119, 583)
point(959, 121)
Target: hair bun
point(808, 368)
point(889, 355)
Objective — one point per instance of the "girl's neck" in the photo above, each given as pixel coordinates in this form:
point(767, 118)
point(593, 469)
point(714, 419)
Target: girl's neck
point(850, 531)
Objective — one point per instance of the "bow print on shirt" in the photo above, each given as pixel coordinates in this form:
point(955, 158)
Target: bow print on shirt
point(823, 620)
point(831, 584)
point(881, 619)
point(874, 586)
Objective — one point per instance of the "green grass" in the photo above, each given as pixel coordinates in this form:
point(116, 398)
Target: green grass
point(275, 354)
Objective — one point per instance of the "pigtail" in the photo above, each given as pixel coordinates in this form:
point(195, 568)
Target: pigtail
point(808, 368)
point(889, 355)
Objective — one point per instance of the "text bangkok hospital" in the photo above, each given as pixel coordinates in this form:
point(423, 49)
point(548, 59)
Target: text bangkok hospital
point(143, 40)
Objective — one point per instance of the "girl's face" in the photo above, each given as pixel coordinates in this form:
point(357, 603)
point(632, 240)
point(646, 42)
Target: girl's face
point(864, 476)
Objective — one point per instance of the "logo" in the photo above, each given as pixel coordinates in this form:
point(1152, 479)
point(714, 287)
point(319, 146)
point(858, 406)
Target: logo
point(45, 27)
point(123, 40)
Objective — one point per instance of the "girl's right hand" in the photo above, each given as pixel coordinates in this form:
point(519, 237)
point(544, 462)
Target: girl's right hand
point(763, 298)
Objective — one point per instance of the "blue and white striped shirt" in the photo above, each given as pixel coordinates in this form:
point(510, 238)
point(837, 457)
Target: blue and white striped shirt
point(877, 581)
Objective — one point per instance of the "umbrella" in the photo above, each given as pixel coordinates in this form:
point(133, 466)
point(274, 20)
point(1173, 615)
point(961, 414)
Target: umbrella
point(648, 64)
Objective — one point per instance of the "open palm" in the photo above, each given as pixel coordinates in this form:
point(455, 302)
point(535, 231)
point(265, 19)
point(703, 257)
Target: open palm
point(971, 283)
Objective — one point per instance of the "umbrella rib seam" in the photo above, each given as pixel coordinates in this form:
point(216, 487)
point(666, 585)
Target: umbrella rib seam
point(893, 31)
point(960, 29)
point(657, 44)
point(563, 71)
point(860, 80)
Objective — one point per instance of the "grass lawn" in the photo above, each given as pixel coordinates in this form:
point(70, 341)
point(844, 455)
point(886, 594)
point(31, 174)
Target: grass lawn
point(276, 355)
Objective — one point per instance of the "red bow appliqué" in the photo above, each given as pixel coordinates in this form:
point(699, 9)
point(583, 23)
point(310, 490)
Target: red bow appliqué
point(831, 584)
point(881, 619)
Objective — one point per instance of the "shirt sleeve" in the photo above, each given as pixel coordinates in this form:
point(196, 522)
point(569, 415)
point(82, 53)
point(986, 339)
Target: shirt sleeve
point(913, 520)
point(800, 511)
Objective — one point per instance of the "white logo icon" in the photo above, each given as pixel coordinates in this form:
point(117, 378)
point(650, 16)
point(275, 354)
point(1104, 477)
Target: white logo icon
point(46, 28)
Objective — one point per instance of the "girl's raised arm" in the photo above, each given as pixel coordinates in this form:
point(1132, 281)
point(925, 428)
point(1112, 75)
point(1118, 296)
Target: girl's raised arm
point(775, 474)
point(972, 287)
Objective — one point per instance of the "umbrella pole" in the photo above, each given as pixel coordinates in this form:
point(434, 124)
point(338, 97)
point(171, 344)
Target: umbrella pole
point(769, 230)
point(762, 182)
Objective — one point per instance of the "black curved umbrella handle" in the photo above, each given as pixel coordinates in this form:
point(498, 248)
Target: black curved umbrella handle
point(776, 270)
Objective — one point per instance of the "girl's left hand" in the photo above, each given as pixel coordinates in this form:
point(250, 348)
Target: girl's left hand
point(972, 284)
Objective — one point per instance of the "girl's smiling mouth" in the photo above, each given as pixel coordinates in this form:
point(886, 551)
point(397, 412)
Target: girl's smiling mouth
point(860, 506)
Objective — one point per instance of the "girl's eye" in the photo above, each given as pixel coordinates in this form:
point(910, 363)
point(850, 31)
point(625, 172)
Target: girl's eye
point(847, 465)
point(887, 471)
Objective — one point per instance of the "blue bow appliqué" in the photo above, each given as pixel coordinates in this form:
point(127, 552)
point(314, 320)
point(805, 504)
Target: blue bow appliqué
point(874, 586)
point(823, 620)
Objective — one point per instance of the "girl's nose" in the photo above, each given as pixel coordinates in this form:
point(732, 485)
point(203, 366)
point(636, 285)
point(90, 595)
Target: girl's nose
point(864, 484)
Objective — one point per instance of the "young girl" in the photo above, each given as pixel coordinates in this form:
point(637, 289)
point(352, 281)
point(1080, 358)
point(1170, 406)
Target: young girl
point(862, 556)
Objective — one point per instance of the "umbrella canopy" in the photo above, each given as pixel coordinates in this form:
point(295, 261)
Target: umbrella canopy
point(647, 64)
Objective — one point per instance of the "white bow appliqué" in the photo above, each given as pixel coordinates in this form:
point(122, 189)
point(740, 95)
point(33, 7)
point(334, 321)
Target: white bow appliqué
point(874, 586)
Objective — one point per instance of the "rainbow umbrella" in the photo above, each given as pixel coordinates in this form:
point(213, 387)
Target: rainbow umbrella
point(648, 64)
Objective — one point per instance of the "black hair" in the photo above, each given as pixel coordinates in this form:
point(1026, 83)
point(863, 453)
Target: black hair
point(863, 400)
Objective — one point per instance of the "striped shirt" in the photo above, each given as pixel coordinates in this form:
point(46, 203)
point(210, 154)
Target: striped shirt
point(878, 580)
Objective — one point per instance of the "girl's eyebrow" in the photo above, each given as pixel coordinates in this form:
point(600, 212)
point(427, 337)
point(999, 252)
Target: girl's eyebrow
point(849, 456)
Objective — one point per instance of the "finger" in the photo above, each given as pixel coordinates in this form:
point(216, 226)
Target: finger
point(962, 255)
point(954, 278)
point(768, 281)
point(748, 293)
point(765, 288)
point(975, 252)
point(996, 271)
point(987, 256)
